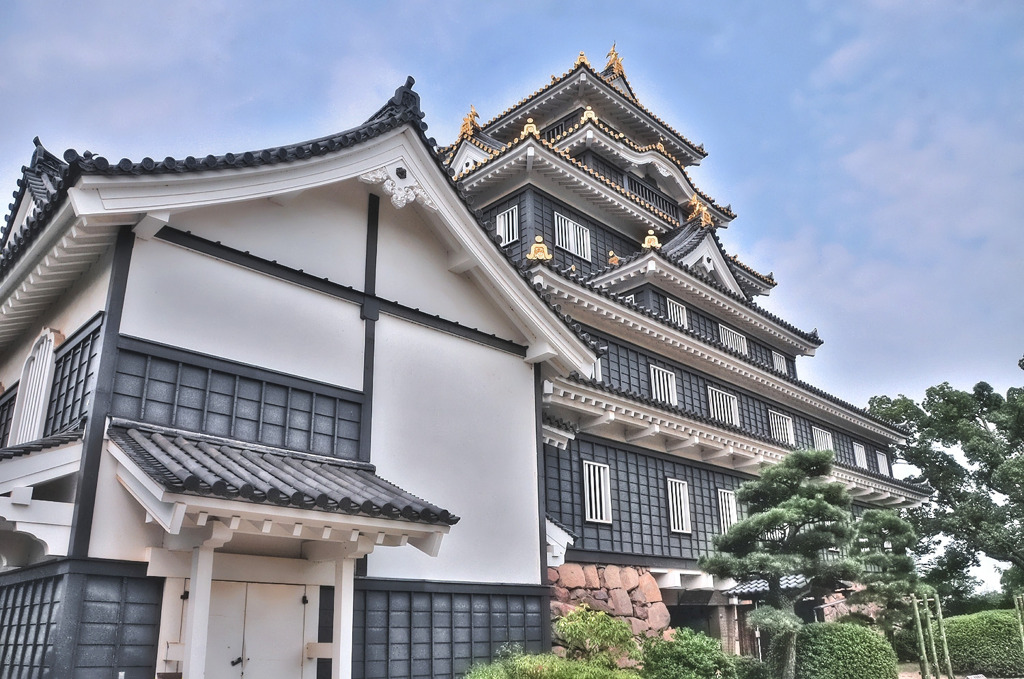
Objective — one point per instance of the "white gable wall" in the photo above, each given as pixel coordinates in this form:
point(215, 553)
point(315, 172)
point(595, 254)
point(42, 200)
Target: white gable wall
point(185, 299)
point(454, 421)
point(412, 268)
point(321, 231)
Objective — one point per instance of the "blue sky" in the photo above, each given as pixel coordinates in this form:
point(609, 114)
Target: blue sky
point(873, 149)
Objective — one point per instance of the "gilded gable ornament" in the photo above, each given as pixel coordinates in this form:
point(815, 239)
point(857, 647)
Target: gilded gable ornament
point(529, 128)
point(699, 209)
point(581, 59)
point(613, 259)
point(651, 242)
point(469, 124)
point(614, 62)
point(589, 114)
point(539, 251)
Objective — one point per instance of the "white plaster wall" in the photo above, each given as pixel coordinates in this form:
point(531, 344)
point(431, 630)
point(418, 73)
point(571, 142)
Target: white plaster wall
point(182, 298)
point(119, 528)
point(454, 423)
point(412, 268)
point(87, 296)
point(321, 231)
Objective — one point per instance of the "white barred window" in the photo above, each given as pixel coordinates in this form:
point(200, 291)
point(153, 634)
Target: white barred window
point(727, 513)
point(724, 406)
point(822, 439)
point(678, 506)
point(663, 385)
point(572, 237)
point(34, 390)
point(779, 361)
point(860, 455)
point(782, 427)
point(883, 464)
point(677, 313)
point(508, 226)
point(732, 339)
point(597, 492)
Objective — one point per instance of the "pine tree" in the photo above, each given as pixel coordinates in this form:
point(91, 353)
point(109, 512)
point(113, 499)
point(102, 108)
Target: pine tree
point(798, 523)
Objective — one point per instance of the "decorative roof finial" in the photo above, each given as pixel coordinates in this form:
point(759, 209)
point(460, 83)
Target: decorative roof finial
point(581, 59)
point(589, 114)
point(651, 241)
point(613, 259)
point(539, 251)
point(529, 128)
point(614, 62)
point(469, 124)
point(699, 209)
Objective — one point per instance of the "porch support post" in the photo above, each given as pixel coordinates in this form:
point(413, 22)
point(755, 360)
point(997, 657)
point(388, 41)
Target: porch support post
point(341, 651)
point(198, 622)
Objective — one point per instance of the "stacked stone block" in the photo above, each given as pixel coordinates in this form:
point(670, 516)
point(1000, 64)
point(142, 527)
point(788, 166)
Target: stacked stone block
point(625, 592)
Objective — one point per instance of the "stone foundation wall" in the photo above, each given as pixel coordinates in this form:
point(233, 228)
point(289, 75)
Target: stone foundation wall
point(625, 592)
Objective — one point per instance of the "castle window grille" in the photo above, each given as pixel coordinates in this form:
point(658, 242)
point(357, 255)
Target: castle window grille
point(508, 226)
point(663, 385)
point(677, 313)
point(572, 237)
point(597, 492)
point(883, 464)
point(732, 339)
point(678, 506)
point(779, 361)
point(727, 509)
point(822, 439)
point(723, 406)
point(860, 455)
point(782, 427)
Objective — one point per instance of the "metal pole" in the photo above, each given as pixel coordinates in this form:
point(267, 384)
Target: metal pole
point(931, 639)
point(942, 634)
point(1018, 603)
point(922, 653)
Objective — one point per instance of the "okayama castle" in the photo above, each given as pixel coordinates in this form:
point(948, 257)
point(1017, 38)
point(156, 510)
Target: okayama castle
point(367, 406)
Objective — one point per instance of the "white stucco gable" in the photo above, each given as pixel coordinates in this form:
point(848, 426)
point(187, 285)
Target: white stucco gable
point(707, 258)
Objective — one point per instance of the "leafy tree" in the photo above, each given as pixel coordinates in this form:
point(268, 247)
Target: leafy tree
point(978, 507)
point(883, 545)
point(796, 518)
point(687, 655)
point(595, 637)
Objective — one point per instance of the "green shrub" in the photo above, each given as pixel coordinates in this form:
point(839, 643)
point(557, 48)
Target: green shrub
point(834, 650)
point(595, 636)
point(985, 643)
point(904, 642)
point(545, 666)
point(687, 655)
point(750, 668)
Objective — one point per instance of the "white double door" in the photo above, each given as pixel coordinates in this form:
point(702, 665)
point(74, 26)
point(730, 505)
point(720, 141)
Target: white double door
point(256, 631)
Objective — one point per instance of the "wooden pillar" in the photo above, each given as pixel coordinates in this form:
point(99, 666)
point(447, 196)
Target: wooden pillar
point(198, 622)
point(341, 652)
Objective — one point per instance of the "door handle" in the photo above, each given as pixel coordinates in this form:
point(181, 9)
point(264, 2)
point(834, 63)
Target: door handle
point(236, 661)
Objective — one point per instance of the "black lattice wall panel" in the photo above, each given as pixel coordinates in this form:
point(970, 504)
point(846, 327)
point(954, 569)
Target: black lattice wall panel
point(7, 402)
point(639, 488)
point(74, 379)
point(119, 627)
point(602, 238)
point(414, 634)
point(221, 402)
point(29, 612)
point(521, 247)
point(628, 367)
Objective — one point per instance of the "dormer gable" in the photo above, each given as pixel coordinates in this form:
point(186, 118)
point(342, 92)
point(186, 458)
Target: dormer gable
point(706, 257)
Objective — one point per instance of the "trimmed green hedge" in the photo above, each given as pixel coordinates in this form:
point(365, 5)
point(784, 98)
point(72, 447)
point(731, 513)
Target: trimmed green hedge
point(835, 650)
point(546, 666)
point(985, 643)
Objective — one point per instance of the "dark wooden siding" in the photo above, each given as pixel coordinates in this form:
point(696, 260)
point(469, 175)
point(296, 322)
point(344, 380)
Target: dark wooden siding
point(216, 397)
point(74, 379)
point(639, 488)
point(628, 367)
point(7, 401)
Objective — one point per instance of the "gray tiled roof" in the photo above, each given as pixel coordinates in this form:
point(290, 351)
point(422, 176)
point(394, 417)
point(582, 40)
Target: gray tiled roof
point(45, 443)
point(197, 464)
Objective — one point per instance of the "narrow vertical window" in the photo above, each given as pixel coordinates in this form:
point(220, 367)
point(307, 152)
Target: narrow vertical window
point(782, 427)
point(779, 361)
point(822, 439)
point(883, 464)
point(597, 492)
point(732, 339)
point(723, 406)
point(678, 506)
point(726, 509)
point(572, 237)
point(860, 455)
point(34, 390)
point(508, 226)
point(663, 385)
point(677, 313)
